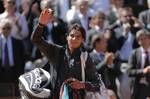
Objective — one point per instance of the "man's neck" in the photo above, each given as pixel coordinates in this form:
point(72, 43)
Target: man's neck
point(99, 50)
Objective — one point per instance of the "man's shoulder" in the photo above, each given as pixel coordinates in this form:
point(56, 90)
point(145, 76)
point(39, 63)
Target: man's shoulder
point(145, 12)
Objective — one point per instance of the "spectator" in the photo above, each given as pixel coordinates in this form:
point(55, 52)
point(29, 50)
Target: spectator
point(112, 41)
point(144, 16)
point(140, 66)
point(113, 14)
point(98, 26)
point(81, 13)
point(19, 23)
point(104, 61)
point(124, 30)
point(11, 63)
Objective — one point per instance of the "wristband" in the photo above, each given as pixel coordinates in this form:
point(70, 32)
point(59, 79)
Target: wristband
point(41, 25)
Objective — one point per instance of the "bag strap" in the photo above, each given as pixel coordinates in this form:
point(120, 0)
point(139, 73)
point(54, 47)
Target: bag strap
point(83, 57)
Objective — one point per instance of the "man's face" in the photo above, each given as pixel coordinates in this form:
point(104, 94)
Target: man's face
point(6, 29)
point(83, 7)
point(144, 40)
point(75, 39)
point(103, 44)
point(126, 16)
point(9, 6)
point(99, 20)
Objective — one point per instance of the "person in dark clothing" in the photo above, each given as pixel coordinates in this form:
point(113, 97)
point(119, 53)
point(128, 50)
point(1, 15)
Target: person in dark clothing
point(65, 62)
point(140, 66)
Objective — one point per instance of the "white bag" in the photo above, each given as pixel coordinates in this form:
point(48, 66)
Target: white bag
point(102, 94)
point(32, 84)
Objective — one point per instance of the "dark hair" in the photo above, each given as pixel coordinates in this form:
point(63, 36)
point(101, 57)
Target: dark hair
point(96, 38)
point(99, 14)
point(77, 27)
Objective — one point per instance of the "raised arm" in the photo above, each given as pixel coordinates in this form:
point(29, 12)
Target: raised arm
point(48, 49)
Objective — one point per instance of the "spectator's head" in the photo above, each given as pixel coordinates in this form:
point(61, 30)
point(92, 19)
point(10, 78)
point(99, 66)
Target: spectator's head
point(98, 19)
point(25, 5)
point(99, 42)
point(46, 4)
point(36, 9)
point(143, 38)
point(75, 36)
point(5, 27)
point(10, 6)
point(82, 5)
point(125, 14)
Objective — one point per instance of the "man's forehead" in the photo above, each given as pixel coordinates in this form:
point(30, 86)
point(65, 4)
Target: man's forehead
point(75, 32)
point(11, 1)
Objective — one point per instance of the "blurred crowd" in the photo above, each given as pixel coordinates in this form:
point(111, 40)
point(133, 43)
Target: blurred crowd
point(117, 38)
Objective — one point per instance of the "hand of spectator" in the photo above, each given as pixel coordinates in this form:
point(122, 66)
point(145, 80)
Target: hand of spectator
point(126, 27)
point(46, 16)
point(77, 85)
point(109, 58)
point(137, 22)
point(146, 70)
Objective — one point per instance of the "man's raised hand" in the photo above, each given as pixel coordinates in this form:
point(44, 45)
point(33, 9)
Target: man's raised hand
point(46, 16)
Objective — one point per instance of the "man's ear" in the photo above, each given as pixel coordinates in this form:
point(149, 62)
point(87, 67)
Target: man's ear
point(67, 37)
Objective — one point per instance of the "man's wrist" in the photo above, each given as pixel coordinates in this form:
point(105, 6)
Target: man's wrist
point(41, 25)
point(110, 65)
